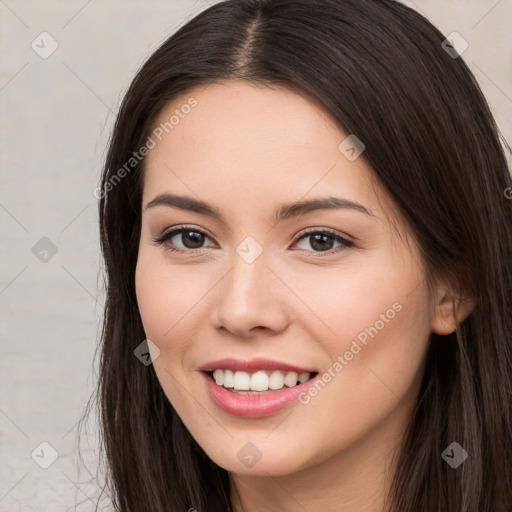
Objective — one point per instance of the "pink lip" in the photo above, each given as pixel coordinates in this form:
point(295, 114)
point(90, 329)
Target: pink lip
point(252, 365)
point(254, 406)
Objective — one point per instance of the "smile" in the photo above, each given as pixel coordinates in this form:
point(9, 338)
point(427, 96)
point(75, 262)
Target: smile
point(256, 388)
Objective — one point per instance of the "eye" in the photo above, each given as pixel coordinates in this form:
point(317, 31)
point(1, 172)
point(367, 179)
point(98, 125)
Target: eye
point(322, 240)
point(191, 238)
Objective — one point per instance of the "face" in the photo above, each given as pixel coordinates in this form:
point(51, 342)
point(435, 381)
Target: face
point(337, 294)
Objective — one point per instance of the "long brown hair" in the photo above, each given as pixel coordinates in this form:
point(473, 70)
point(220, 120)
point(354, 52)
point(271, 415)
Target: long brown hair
point(381, 70)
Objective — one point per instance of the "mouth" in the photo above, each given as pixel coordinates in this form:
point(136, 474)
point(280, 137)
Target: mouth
point(255, 388)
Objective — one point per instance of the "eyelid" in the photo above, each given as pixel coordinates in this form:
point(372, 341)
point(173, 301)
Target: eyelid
point(333, 232)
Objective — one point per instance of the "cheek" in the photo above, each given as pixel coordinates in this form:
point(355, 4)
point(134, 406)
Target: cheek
point(166, 296)
point(348, 302)
point(377, 326)
point(373, 375)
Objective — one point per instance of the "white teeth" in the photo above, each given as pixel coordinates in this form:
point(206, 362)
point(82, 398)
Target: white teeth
point(218, 375)
point(276, 380)
point(228, 381)
point(259, 381)
point(291, 379)
point(242, 381)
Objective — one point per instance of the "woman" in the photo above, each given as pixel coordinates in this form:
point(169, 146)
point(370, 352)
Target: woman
point(306, 231)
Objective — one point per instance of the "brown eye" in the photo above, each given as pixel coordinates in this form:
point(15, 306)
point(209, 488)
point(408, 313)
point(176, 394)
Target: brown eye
point(323, 241)
point(190, 238)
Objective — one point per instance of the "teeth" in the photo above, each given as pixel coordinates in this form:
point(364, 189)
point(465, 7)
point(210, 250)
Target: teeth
point(276, 380)
point(229, 381)
point(258, 381)
point(242, 381)
point(291, 379)
point(218, 375)
point(303, 377)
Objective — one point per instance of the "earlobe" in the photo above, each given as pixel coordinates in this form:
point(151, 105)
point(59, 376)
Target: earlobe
point(450, 312)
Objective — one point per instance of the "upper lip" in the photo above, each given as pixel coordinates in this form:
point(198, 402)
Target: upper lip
point(253, 365)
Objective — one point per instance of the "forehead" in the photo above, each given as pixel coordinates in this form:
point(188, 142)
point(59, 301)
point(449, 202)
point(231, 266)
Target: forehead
point(254, 143)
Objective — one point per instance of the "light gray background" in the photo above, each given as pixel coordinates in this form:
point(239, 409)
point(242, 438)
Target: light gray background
point(56, 116)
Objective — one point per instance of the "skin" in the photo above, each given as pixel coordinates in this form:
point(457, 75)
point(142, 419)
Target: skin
point(246, 150)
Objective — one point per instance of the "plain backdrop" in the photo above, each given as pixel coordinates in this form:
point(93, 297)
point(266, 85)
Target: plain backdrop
point(57, 111)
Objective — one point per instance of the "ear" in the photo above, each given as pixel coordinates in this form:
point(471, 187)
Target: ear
point(450, 310)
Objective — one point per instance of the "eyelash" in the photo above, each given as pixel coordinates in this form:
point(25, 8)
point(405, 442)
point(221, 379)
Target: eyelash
point(164, 237)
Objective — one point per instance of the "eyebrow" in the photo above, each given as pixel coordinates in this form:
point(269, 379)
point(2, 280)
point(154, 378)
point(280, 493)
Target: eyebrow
point(284, 212)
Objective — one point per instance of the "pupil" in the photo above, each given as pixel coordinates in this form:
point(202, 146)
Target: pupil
point(197, 239)
point(319, 242)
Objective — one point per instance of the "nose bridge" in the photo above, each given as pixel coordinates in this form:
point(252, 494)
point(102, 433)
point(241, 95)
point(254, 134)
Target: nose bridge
point(247, 296)
point(248, 282)
point(249, 273)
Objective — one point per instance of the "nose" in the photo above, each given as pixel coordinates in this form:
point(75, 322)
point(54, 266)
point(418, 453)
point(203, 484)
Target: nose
point(250, 298)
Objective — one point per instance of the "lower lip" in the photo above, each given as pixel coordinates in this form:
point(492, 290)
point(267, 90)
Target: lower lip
point(254, 406)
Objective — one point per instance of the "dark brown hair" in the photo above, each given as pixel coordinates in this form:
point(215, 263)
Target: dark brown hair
point(379, 68)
